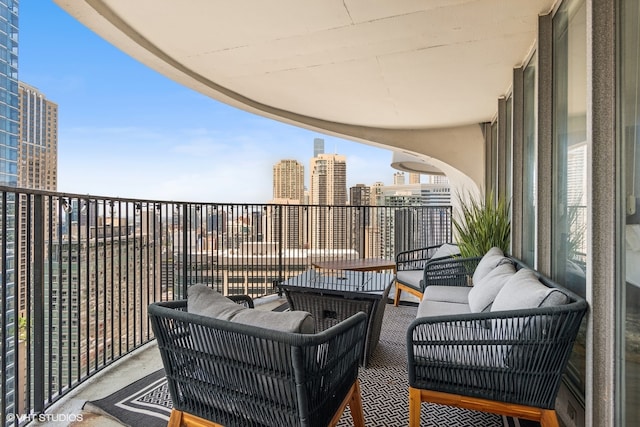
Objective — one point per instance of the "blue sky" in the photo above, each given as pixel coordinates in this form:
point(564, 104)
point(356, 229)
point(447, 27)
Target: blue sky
point(127, 131)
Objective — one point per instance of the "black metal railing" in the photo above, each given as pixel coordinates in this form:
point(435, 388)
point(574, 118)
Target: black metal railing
point(78, 271)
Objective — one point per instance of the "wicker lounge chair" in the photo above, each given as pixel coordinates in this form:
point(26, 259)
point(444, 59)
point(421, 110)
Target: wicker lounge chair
point(410, 267)
point(507, 362)
point(232, 374)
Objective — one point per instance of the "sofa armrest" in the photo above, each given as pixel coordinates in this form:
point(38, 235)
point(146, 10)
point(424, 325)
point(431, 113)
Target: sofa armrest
point(514, 356)
point(450, 271)
point(415, 259)
point(244, 300)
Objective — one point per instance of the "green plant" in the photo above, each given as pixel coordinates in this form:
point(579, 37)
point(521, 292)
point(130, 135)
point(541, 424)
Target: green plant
point(482, 223)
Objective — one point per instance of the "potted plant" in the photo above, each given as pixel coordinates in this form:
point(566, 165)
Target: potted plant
point(482, 223)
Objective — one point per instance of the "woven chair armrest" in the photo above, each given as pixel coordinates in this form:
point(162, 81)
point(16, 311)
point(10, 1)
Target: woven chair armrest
point(254, 372)
point(520, 354)
point(415, 259)
point(176, 310)
point(506, 326)
point(450, 271)
point(244, 300)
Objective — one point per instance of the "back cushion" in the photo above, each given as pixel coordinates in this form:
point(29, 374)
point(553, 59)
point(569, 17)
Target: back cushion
point(205, 301)
point(489, 261)
point(484, 291)
point(524, 290)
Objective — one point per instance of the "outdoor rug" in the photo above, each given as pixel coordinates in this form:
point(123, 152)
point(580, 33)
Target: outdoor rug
point(384, 386)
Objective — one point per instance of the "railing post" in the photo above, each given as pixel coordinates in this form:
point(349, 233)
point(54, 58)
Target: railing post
point(281, 243)
point(38, 303)
point(185, 249)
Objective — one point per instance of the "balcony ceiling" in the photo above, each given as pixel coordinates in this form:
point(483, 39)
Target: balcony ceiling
point(407, 64)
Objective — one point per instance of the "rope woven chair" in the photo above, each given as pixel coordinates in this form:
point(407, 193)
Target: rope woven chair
point(231, 374)
point(504, 362)
point(411, 264)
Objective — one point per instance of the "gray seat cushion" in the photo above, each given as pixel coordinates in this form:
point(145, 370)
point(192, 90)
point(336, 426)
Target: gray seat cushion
point(205, 301)
point(410, 277)
point(440, 308)
point(457, 294)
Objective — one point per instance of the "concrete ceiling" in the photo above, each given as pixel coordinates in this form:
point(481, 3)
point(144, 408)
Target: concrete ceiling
point(385, 64)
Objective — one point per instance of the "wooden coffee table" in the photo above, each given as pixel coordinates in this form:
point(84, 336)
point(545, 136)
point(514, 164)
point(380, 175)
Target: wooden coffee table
point(358, 264)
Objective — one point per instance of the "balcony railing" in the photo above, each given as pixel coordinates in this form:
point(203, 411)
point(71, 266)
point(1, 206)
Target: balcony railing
point(78, 271)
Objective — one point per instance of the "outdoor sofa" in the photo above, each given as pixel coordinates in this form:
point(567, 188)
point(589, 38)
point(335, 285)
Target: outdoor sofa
point(497, 339)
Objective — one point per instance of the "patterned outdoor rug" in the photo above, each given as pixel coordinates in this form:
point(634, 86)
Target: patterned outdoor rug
point(384, 387)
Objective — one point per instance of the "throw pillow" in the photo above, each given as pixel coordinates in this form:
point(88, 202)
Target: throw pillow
point(483, 292)
point(205, 301)
point(489, 261)
point(524, 290)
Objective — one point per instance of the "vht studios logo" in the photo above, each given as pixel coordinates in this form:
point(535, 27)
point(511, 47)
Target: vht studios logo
point(21, 418)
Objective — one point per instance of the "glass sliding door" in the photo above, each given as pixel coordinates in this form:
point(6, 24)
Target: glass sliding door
point(569, 171)
point(529, 164)
point(508, 150)
point(629, 135)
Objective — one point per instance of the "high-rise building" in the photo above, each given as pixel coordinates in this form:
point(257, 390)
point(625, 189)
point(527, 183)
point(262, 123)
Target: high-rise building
point(329, 187)
point(38, 140)
point(318, 147)
point(9, 115)
point(288, 180)
point(414, 178)
point(412, 228)
point(360, 195)
point(37, 154)
point(9, 100)
point(437, 179)
point(329, 180)
point(398, 178)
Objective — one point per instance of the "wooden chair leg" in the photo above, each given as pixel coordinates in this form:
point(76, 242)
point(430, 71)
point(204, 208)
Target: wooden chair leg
point(355, 406)
point(415, 402)
point(182, 419)
point(354, 400)
point(546, 417)
point(549, 418)
point(175, 419)
point(396, 300)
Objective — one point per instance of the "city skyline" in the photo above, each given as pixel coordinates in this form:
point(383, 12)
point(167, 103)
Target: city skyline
point(126, 131)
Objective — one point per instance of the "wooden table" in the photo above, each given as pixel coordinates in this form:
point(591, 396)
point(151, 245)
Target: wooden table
point(358, 264)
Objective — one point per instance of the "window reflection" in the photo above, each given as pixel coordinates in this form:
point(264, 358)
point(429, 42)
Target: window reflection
point(530, 160)
point(569, 174)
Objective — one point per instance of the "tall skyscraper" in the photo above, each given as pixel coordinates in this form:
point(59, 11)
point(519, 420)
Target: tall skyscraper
point(37, 154)
point(38, 142)
point(414, 178)
point(9, 115)
point(329, 180)
point(9, 99)
point(288, 180)
point(318, 147)
point(329, 187)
